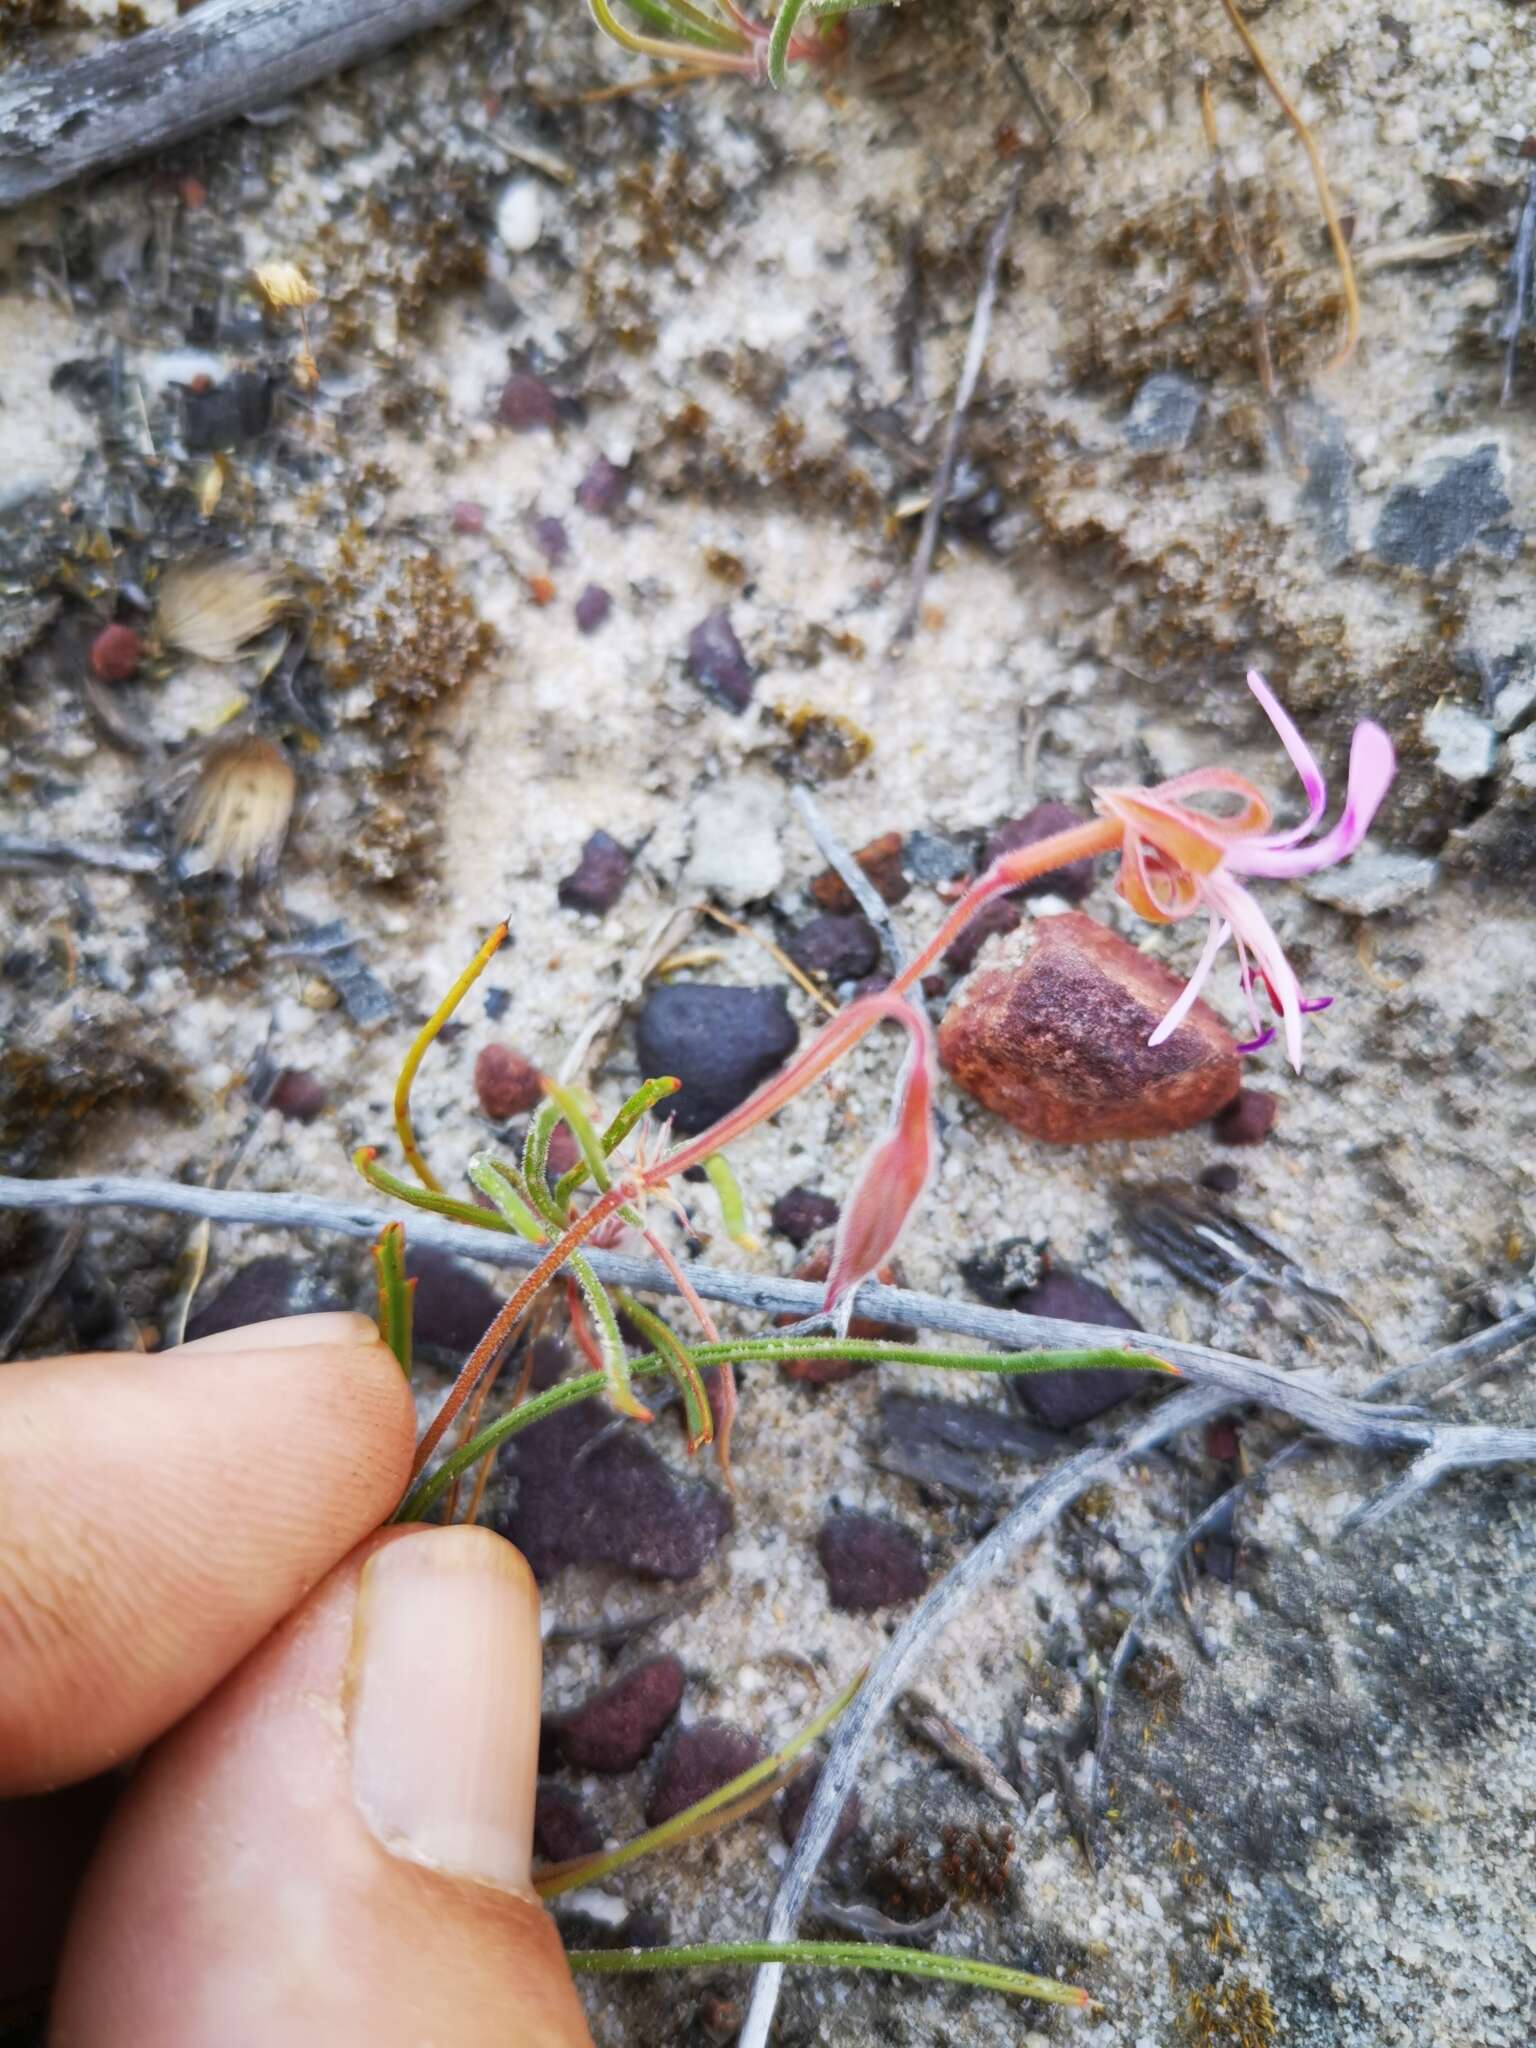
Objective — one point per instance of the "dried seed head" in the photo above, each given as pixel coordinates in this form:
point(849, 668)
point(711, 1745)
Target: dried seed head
point(211, 608)
point(237, 811)
point(285, 286)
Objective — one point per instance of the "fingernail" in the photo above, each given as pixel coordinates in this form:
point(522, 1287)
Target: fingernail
point(444, 1699)
point(291, 1333)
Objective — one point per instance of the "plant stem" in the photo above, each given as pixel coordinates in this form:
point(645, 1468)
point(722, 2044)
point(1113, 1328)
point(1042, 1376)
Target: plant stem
point(836, 1955)
point(417, 1053)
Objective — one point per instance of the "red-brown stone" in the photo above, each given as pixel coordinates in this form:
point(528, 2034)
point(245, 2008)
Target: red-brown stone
point(1052, 1034)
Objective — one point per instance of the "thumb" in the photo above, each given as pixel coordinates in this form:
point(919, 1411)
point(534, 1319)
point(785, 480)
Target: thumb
point(334, 1849)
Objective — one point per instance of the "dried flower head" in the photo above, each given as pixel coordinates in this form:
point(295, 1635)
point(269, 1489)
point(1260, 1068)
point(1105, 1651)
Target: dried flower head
point(285, 286)
point(237, 811)
point(210, 608)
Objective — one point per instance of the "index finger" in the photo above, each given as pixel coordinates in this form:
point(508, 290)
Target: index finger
point(159, 1515)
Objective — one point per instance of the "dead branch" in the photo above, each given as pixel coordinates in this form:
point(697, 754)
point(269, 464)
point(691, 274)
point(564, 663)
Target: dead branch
point(226, 57)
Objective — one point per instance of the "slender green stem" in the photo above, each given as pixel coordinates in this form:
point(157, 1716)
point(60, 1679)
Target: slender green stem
point(701, 1422)
point(418, 1050)
point(505, 1188)
point(609, 1342)
point(681, 1825)
point(835, 1955)
point(757, 1350)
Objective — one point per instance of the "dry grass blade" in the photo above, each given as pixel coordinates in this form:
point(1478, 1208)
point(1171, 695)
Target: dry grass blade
point(211, 608)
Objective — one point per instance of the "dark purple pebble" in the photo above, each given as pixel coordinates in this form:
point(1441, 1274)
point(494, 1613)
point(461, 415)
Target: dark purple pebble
point(453, 1306)
point(1222, 1179)
point(297, 1094)
point(870, 1562)
point(551, 540)
point(1072, 881)
point(698, 1761)
point(262, 1290)
point(798, 1797)
point(601, 491)
point(527, 402)
point(993, 918)
point(717, 662)
point(801, 1212)
point(719, 1041)
point(838, 948)
point(572, 1500)
point(592, 608)
point(1248, 1118)
point(614, 1728)
point(562, 1827)
point(599, 876)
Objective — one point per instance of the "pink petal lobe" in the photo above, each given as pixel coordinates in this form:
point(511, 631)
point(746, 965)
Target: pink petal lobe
point(1303, 760)
point(1372, 765)
point(1253, 928)
point(1215, 938)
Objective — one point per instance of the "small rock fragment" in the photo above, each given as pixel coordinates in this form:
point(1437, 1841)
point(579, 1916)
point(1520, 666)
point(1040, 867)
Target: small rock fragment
point(936, 857)
point(737, 848)
point(468, 516)
point(562, 1827)
point(115, 653)
point(1073, 881)
point(821, 1372)
point(801, 1212)
point(1425, 525)
point(837, 948)
point(1465, 746)
point(262, 1290)
point(1053, 1036)
point(1248, 1119)
point(592, 608)
point(527, 403)
point(1221, 1179)
point(698, 1761)
point(614, 1728)
point(1375, 879)
point(1061, 1400)
point(577, 1501)
point(870, 1562)
point(1164, 413)
point(882, 860)
point(226, 416)
point(717, 663)
point(596, 881)
point(520, 215)
point(720, 1042)
point(297, 1094)
point(507, 1084)
point(990, 922)
point(797, 1798)
point(551, 540)
point(999, 1275)
point(601, 491)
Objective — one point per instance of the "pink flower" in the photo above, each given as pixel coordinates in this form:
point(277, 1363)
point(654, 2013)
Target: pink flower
point(1177, 860)
point(894, 1174)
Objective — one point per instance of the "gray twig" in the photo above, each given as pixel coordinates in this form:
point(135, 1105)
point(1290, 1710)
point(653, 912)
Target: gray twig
point(965, 391)
point(226, 57)
point(19, 854)
point(1521, 264)
point(851, 875)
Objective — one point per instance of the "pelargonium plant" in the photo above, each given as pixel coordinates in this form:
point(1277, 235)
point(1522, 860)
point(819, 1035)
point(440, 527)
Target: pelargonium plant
point(727, 39)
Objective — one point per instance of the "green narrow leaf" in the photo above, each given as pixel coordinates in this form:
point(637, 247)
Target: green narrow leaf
point(678, 18)
point(836, 1955)
point(701, 1419)
point(396, 1293)
point(784, 21)
point(644, 1098)
point(422, 1198)
point(579, 1124)
point(610, 1342)
point(504, 1186)
point(733, 1210)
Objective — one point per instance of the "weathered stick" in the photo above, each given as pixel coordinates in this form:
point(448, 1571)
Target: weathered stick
point(226, 57)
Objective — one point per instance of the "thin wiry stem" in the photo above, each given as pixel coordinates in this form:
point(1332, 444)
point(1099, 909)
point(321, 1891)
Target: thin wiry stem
point(1308, 141)
point(418, 1051)
point(837, 1955)
point(851, 875)
point(1255, 297)
point(965, 391)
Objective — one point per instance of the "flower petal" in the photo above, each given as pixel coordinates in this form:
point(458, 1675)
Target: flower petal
point(1303, 760)
point(1215, 938)
point(1372, 765)
point(1183, 837)
point(1253, 928)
